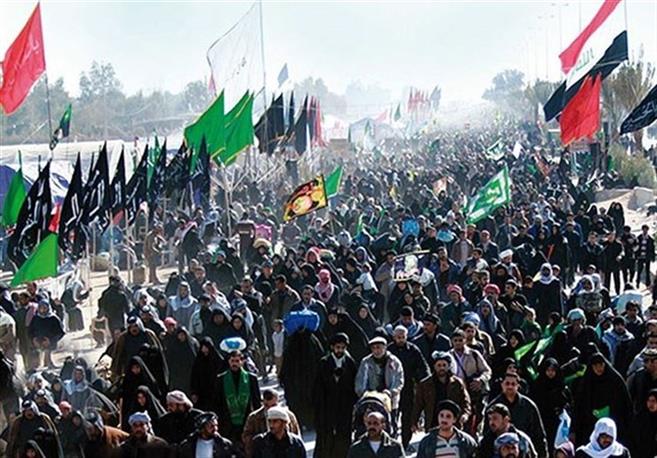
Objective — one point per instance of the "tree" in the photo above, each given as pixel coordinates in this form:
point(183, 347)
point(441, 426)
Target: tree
point(196, 97)
point(29, 123)
point(507, 92)
point(624, 89)
point(536, 94)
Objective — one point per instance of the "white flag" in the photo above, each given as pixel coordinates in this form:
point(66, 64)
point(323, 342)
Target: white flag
point(517, 148)
point(236, 58)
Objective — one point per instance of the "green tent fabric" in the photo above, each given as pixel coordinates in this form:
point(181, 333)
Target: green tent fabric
point(13, 199)
point(42, 263)
point(238, 130)
point(211, 125)
point(333, 181)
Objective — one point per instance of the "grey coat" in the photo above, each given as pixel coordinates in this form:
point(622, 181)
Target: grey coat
point(368, 373)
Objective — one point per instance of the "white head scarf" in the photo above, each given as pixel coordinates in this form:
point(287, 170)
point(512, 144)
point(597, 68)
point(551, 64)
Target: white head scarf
point(593, 449)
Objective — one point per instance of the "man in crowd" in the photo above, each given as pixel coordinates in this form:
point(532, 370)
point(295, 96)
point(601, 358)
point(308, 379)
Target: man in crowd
point(278, 441)
point(377, 442)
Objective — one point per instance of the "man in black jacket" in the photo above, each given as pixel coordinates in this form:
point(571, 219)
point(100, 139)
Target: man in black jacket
point(180, 420)
point(431, 340)
point(524, 413)
point(612, 254)
point(645, 254)
point(334, 399)
point(207, 441)
point(278, 442)
point(114, 304)
point(415, 369)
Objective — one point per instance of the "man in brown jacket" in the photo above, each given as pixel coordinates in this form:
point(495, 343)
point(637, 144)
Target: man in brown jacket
point(23, 427)
point(256, 422)
point(441, 385)
point(102, 441)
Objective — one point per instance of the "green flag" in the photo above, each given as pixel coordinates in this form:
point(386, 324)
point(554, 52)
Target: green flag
point(153, 156)
point(42, 263)
point(496, 151)
point(495, 193)
point(333, 181)
point(64, 128)
point(211, 126)
point(65, 122)
point(238, 129)
point(523, 351)
point(13, 199)
point(397, 116)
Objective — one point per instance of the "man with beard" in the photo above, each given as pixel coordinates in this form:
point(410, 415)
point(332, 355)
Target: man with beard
point(499, 424)
point(437, 387)
point(180, 420)
point(256, 422)
point(129, 343)
point(237, 394)
point(114, 304)
point(415, 369)
point(207, 441)
point(431, 340)
point(524, 413)
point(222, 273)
point(508, 446)
point(447, 440)
point(308, 302)
point(278, 441)
point(142, 442)
point(334, 399)
point(376, 442)
point(383, 372)
point(337, 321)
point(24, 427)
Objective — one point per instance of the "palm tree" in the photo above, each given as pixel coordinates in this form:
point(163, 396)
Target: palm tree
point(537, 94)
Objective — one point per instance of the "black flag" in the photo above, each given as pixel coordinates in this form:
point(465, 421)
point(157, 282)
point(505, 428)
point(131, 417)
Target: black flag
point(136, 189)
point(177, 173)
point(72, 209)
point(201, 177)
point(157, 181)
point(33, 219)
point(117, 189)
point(97, 199)
point(643, 115)
point(301, 129)
point(290, 115)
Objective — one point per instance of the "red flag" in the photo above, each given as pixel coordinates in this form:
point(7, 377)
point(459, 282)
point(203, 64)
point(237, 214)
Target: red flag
point(569, 55)
point(56, 217)
point(24, 62)
point(581, 117)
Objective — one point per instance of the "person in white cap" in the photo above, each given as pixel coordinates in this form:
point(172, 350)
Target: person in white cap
point(381, 371)
point(142, 442)
point(278, 441)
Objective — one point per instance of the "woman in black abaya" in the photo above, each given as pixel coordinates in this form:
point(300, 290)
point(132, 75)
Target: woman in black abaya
point(207, 365)
point(180, 354)
point(551, 396)
point(600, 392)
point(145, 401)
point(137, 374)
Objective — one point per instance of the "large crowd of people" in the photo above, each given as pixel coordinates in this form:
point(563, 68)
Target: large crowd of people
point(527, 334)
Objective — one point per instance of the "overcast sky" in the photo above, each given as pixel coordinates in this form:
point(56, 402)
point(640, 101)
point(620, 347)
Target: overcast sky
point(458, 45)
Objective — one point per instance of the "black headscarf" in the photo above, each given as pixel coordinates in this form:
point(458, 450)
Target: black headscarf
point(204, 372)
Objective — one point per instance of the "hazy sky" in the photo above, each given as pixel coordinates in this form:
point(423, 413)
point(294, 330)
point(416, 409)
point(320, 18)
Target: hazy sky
point(458, 45)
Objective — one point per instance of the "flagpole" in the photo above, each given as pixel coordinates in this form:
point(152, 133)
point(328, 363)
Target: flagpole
point(264, 88)
point(48, 104)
